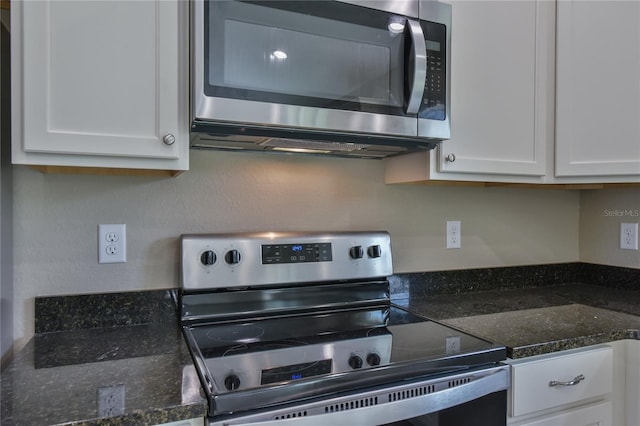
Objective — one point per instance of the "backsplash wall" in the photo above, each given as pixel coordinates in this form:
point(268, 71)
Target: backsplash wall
point(601, 212)
point(56, 218)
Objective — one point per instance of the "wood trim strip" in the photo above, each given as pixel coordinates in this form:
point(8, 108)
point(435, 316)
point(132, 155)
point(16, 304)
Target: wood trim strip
point(104, 171)
point(526, 185)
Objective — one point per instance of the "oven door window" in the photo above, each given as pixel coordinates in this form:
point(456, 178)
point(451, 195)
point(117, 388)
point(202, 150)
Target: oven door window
point(308, 53)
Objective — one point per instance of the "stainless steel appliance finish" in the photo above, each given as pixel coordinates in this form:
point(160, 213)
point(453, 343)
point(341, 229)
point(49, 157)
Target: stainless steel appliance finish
point(237, 259)
point(298, 328)
point(361, 78)
point(391, 404)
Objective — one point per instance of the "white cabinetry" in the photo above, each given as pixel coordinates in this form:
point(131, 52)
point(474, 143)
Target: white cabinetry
point(632, 382)
point(189, 422)
point(100, 84)
point(502, 85)
point(565, 388)
point(505, 106)
point(592, 415)
point(598, 89)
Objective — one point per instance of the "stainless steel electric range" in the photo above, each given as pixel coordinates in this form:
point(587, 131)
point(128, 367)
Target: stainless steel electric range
point(299, 328)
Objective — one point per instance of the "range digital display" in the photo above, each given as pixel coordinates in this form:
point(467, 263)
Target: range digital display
point(296, 253)
point(295, 372)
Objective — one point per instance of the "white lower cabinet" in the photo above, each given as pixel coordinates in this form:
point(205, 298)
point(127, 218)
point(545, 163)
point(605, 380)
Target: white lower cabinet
point(574, 387)
point(591, 415)
point(631, 393)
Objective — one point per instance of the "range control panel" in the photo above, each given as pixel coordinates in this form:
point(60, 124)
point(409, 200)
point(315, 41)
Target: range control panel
point(212, 261)
point(296, 253)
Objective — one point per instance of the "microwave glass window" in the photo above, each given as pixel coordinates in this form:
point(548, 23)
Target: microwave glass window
point(276, 60)
point(305, 53)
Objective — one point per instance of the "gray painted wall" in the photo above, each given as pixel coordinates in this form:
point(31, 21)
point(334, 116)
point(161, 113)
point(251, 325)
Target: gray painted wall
point(601, 212)
point(56, 218)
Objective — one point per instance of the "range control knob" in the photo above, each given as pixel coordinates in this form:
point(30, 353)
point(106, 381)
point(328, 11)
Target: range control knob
point(355, 362)
point(232, 382)
point(374, 251)
point(232, 257)
point(356, 252)
point(208, 258)
point(373, 359)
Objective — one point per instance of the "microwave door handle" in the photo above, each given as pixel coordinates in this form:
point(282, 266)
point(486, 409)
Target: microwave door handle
point(419, 50)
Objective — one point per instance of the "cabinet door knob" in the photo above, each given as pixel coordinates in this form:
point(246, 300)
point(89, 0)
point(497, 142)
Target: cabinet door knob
point(451, 158)
point(169, 139)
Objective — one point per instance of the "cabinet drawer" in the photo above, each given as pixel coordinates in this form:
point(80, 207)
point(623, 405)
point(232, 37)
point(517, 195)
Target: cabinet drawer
point(591, 415)
point(532, 389)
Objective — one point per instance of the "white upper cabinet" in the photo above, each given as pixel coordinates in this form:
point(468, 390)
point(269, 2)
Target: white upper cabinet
point(502, 86)
point(498, 89)
point(100, 84)
point(598, 90)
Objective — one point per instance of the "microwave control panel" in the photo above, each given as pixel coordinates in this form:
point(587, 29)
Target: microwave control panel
point(434, 100)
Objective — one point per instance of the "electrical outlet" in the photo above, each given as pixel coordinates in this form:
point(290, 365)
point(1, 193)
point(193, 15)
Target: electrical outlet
point(112, 243)
point(110, 401)
point(629, 236)
point(452, 344)
point(454, 234)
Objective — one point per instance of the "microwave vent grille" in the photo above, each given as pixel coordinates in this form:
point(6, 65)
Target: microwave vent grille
point(235, 142)
point(317, 145)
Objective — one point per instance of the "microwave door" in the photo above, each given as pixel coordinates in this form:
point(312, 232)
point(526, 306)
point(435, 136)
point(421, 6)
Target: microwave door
point(303, 64)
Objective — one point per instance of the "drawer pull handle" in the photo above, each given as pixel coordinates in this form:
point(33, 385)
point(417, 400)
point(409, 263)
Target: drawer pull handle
point(573, 382)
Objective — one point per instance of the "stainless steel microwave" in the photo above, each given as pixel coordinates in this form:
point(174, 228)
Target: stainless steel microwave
point(364, 78)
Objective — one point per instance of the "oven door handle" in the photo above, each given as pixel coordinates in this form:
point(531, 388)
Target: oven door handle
point(404, 409)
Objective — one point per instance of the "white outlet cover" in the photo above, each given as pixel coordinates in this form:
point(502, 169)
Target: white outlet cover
point(452, 344)
point(111, 400)
point(112, 243)
point(454, 234)
point(629, 236)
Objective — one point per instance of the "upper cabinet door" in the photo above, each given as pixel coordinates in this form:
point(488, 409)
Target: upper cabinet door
point(502, 83)
point(98, 84)
point(598, 88)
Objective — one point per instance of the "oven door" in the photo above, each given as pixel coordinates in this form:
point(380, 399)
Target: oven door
point(324, 65)
point(476, 398)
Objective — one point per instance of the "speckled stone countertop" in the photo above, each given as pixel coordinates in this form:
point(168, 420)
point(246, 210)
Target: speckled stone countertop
point(85, 343)
point(537, 319)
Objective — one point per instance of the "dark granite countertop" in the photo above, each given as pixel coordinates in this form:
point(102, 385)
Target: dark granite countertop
point(537, 320)
point(57, 377)
point(133, 340)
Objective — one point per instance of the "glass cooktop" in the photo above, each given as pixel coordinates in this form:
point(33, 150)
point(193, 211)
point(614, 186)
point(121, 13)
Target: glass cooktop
point(412, 336)
point(253, 353)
